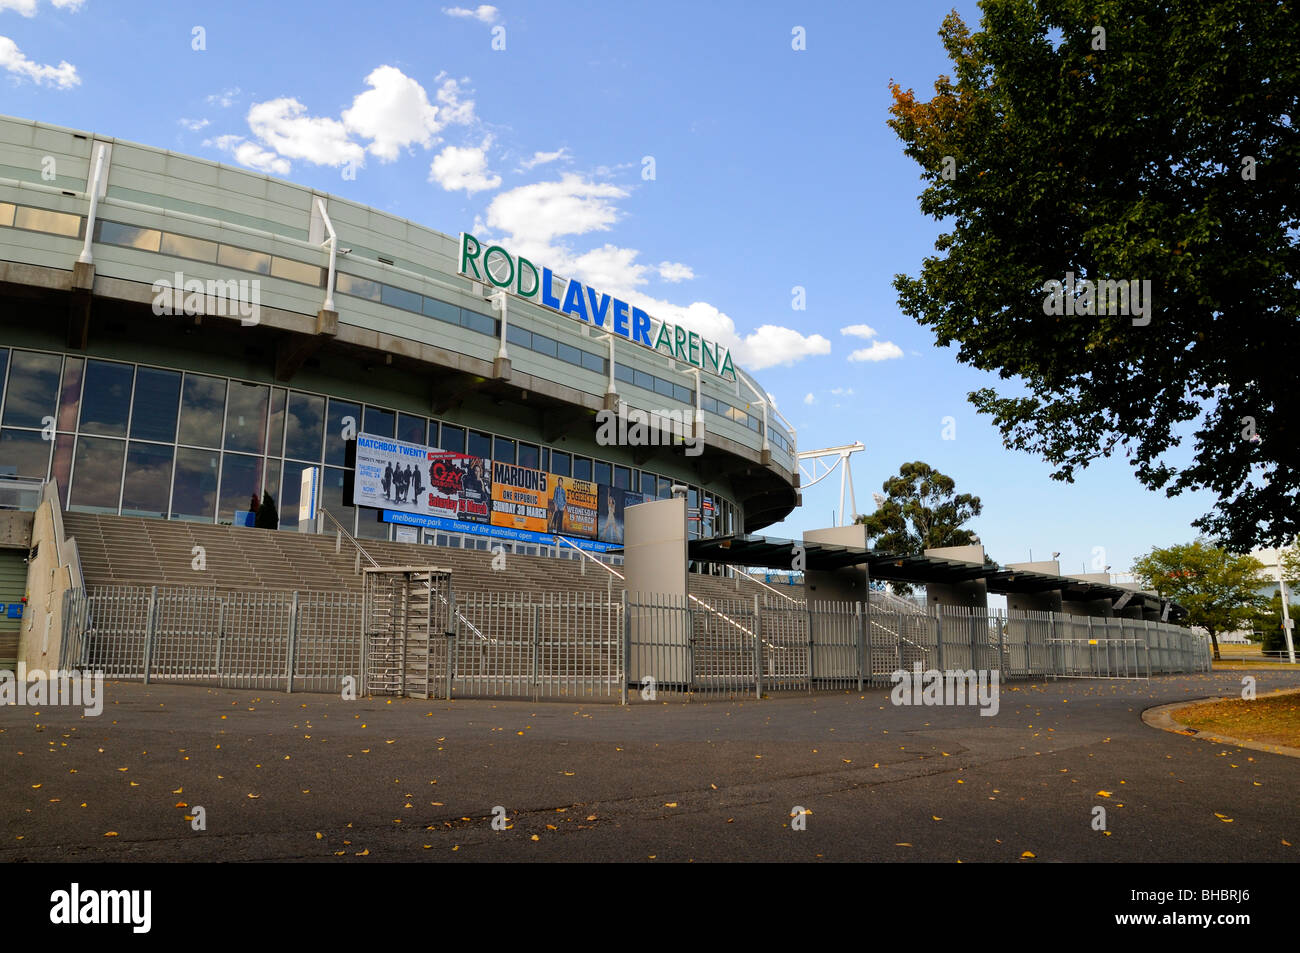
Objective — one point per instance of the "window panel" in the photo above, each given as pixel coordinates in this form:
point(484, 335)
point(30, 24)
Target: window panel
point(410, 429)
point(70, 396)
point(291, 270)
point(593, 362)
point(381, 423)
point(332, 498)
point(96, 475)
point(43, 220)
point(529, 456)
point(480, 444)
point(503, 449)
point(129, 236)
point(647, 483)
point(241, 483)
point(441, 310)
point(624, 373)
point(153, 413)
point(582, 468)
point(663, 387)
point(622, 478)
point(453, 439)
point(290, 491)
point(518, 336)
point(33, 389)
point(665, 488)
point(561, 463)
point(602, 473)
point(194, 487)
point(182, 246)
point(335, 445)
point(24, 453)
point(304, 426)
point(244, 260)
point(401, 298)
point(246, 417)
point(684, 394)
point(203, 407)
point(478, 322)
point(106, 398)
point(271, 484)
point(148, 480)
point(61, 471)
point(275, 423)
point(569, 353)
point(357, 287)
point(544, 345)
point(6, 214)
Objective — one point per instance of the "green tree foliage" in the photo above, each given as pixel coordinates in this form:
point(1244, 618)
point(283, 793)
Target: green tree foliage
point(1135, 140)
point(1267, 622)
point(268, 517)
point(1217, 588)
point(921, 510)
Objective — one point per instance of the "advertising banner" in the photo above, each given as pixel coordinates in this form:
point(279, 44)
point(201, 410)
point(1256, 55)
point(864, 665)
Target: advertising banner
point(611, 505)
point(411, 478)
point(572, 510)
point(520, 497)
point(459, 487)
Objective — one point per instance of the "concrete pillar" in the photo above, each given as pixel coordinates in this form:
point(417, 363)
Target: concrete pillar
point(973, 594)
point(1044, 600)
point(842, 586)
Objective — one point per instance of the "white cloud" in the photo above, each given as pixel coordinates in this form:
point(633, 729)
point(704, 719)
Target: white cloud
point(542, 158)
point(842, 391)
point(859, 330)
point(194, 125)
point(394, 113)
point(225, 99)
point(283, 127)
point(250, 154)
point(452, 108)
point(464, 167)
point(27, 8)
point(879, 351)
point(809, 399)
point(12, 59)
point(675, 271)
point(533, 216)
point(772, 344)
point(483, 13)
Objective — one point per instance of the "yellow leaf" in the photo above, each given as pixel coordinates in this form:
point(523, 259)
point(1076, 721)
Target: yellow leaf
point(935, 818)
point(366, 852)
point(671, 804)
point(1103, 794)
point(1029, 853)
point(110, 834)
point(178, 791)
point(255, 796)
point(534, 837)
point(903, 844)
point(319, 835)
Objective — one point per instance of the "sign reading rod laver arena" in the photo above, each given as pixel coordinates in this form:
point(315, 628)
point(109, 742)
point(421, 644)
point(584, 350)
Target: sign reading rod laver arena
point(495, 266)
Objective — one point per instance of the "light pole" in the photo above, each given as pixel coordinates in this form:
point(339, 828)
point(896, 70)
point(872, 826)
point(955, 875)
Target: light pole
point(1286, 611)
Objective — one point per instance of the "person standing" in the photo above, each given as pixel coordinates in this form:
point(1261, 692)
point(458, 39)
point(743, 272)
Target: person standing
point(388, 478)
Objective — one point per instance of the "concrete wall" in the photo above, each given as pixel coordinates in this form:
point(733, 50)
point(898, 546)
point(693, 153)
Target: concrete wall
point(973, 594)
point(15, 530)
point(840, 585)
point(1048, 600)
point(41, 634)
point(654, 569)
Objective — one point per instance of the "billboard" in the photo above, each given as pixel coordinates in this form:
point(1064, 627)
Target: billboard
point(411, 478)
point(520, 497)
point(611, 504)
point(573, 508)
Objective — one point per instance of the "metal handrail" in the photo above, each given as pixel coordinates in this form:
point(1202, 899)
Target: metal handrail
point(428, 583)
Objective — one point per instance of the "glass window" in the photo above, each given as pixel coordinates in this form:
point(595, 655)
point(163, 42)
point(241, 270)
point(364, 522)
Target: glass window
point(275, 423)
point(593, 362)
point(582, 468)
point(561, 463)
point(42, 220)
point(241, 484)
point(70, 398)
point(148, 480)
point(244, 260)
point(517, 335)
point(478, 322)
point(568, 352)
point(643, 380)
point(106, 398)
point(442, 311)
point(545, 463)
point(503, 450)
point(33, 388)
point(453, 439)
point(410, 429)
point(370, 524)
point(401, 298)
point(544, 345)
point(6, 214)
point(622, 478)
point(194, 488)
point(24, 453)
point(153, 412)
point(96, 475)
point(246, 417)
point(289, 494)
point(647, 483)
point(182, 246)
point(335, 446)
point(357, 287)
point(381, 423)
point(480, 444)
point(291, 270)
point(61, 471)
point(128, 236)
point(602, 473)
point(665, 488)
point(529, 456)
point(331, 493)
point(708, 404)
point(663, 387)
point(304, 426)
point(203, 407)
point(624, 373)
point(684, 394)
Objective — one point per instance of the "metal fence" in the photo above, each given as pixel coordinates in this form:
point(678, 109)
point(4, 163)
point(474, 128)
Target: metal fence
point(584, 645)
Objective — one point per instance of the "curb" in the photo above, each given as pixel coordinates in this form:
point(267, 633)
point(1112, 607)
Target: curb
point(1161, 717)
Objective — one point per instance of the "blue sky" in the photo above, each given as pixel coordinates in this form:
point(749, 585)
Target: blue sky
point(773, 169)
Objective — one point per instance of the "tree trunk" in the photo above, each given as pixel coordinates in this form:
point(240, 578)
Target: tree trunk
point(1214, 639)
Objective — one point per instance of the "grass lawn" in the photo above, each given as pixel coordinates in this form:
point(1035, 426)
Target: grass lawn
point(1273, 720)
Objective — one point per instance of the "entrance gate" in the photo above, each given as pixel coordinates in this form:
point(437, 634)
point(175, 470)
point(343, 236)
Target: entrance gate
point(407, 631)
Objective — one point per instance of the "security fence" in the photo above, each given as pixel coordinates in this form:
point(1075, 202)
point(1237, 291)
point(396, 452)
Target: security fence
point(426, 640)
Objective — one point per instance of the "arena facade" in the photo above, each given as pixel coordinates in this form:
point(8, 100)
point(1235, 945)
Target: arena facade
point(178, 337)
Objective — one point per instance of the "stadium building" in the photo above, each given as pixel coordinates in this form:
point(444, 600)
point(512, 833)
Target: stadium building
point(178, 337)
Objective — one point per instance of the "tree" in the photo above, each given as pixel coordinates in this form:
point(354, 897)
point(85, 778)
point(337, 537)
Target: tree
point(1267, 621)
point(921, 510)
point(1218, 589)
point(1124, 140)
point(268, 517)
